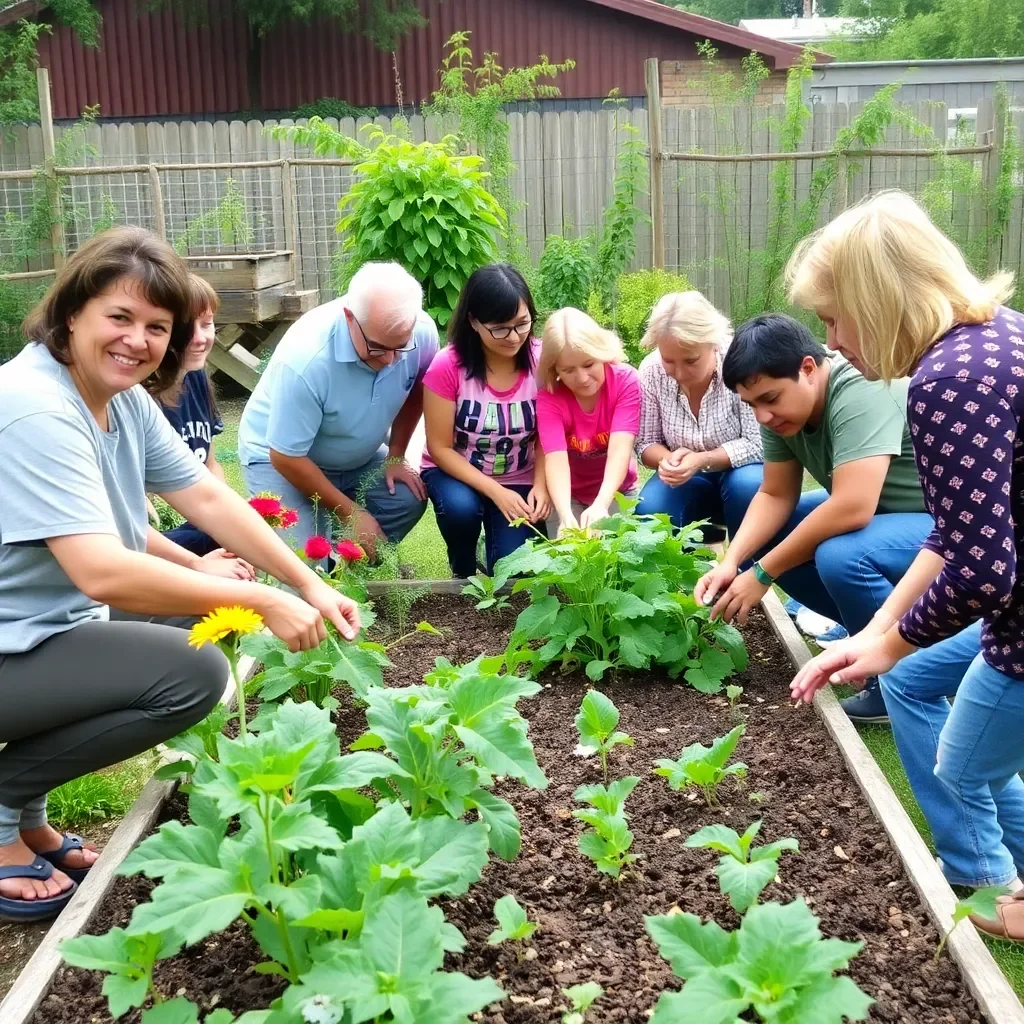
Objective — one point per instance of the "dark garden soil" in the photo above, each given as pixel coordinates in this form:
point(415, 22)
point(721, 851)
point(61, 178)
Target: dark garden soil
point(590, 926)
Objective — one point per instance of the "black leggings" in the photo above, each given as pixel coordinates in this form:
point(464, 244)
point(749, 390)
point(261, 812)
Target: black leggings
point(95, 695)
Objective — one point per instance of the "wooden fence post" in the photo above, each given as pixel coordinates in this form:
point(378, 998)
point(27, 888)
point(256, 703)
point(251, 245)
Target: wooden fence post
point(652, 82)
point(57, 241)
point(291, 224)
point(993, 169)
point(156, 197)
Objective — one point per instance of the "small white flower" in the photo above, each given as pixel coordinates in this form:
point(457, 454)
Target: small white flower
point(320, 1010)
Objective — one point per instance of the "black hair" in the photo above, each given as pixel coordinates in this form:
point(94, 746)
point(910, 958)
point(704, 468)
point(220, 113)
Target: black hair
point(491, 296)
point(770, 345)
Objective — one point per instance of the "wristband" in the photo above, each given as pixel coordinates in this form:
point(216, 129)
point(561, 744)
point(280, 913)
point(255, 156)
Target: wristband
point(762, 575)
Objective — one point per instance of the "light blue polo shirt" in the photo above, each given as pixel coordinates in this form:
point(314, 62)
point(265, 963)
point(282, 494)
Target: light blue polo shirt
point(318, 398)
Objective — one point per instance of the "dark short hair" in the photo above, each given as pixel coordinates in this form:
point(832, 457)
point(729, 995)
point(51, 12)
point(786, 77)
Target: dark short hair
point(770, 345)
point(120, 252)
point(491, 296)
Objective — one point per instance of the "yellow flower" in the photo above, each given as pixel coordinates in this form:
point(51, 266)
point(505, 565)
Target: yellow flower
point(225, 622)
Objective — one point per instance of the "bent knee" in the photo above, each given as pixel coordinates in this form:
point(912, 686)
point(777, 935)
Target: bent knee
point(196, 684)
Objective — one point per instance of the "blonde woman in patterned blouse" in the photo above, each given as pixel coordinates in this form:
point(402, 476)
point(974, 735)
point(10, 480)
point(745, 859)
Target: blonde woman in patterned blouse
point(897, 298)
point(703, 442)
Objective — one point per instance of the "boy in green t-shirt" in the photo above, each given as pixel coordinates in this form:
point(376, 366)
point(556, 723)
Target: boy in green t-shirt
point(839, 550)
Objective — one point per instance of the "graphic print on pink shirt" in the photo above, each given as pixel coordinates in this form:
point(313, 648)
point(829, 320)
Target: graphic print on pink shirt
point(496, 431)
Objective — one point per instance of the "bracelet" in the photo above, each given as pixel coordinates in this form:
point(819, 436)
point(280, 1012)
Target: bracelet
point(762, 575)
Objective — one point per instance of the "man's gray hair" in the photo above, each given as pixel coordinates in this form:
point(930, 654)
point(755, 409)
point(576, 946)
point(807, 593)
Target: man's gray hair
point(393, 294)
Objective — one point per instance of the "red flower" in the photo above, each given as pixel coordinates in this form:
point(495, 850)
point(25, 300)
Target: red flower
point(350, 551)
point(289, 517)
point(317, 548)
point(267, 506)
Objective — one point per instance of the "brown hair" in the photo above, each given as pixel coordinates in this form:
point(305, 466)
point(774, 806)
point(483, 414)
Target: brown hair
point(120, 252)
point(204, 295)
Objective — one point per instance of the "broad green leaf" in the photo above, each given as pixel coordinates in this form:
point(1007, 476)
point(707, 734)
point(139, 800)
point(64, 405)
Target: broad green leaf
point(502, 823)
point(174, 1011)
point(710, 998)
point(536, 620)
point(455, 998)
point(582, 997)
point(296, 828)
point(722, 748)
point(983, 902)
point(332, 920)
point(124, 994)
point(368, 741)
point(453, 855)
point(700, 680)
point(192, 907)
point(402, 937)
point(358, 668)
point(772, 851)
point(828, 1001)
point(624, 604)
point(689, 945)
point(350, 771)
point(513, 924)
point(731, 639)
point(638, 643)
point(597, 719)
point(596, 669)
point(175, 848)
point(744, 882)
point(718, 837)
point(715, 664)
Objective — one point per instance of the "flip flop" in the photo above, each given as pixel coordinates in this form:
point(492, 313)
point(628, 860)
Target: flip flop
point(25, 911)
point(55, 857)
point(1008, 922)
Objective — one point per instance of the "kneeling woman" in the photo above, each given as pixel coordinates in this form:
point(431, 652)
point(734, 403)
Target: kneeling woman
point(482, 466)
point(703, 442)
point(83, 685)
point(588, 414)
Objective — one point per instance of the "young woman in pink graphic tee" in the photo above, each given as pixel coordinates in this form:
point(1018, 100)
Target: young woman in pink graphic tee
point(588, 415)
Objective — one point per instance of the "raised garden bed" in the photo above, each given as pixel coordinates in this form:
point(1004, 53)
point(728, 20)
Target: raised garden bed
point(591, 927)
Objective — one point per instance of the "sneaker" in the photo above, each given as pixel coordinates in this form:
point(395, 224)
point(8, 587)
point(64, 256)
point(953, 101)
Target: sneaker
point(836, 633)
point(868, 706)
point(792, 606)
point(812, 624)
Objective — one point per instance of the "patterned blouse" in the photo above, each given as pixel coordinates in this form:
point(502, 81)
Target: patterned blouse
point(723, 420)
point(964, 408)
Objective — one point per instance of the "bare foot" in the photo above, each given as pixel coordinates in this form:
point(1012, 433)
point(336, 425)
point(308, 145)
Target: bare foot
point(47, 839)
point(29, 888)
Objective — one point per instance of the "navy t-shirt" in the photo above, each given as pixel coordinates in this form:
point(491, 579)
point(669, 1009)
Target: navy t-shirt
point(193, 416)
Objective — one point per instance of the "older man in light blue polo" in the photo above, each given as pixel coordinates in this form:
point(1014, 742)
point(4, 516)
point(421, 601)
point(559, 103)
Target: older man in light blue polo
point(328, 424)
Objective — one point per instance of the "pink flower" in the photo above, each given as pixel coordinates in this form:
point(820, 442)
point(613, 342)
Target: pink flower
point(317, 548)
point(289, 517)
point(267, 506)
point(350, 551)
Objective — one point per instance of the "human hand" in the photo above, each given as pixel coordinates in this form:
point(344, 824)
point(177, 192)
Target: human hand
point(291, 619)
point(595, 513)
point(715, 582)
point(852, 660)
point(366, 531)
point(539, 503)
point(511, 504)
point(679, 466)
point(744, 592)
point(567, 524)
point(224, 563)
point(401, 472)
point(334, 607)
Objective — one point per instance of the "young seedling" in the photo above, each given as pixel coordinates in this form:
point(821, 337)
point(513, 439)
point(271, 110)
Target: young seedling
point(704, 767)
point(596, 723)
point(581, 998)
point(485, 590)
point(743, 872)
point(609, 842)
point(981, 902)
point(734, 693)
point(757, 798)
point(513, 924)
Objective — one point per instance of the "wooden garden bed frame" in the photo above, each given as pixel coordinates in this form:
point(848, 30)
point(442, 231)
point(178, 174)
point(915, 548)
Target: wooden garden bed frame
point(980, 972)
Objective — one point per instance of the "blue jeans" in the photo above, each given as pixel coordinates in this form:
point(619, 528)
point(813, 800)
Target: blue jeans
point(962, 763)
point(461, 511)
point(396, 513)
point(191, 538)
point(852, 573)
point(722, 497)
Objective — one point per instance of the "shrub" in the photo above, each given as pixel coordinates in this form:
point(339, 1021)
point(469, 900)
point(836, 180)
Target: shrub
point(331, 106)
point(566, 274)
point(637, 294)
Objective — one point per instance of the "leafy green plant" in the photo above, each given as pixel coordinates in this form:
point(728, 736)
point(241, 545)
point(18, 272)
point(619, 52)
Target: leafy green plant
point(482, 588)
point(743, 872)
point(597, 725)
point(227, 224)
point(982, 902)
point(621, 596)
point(566, 273)
point(196, 743)
point(704, 767)
point(581, 998)
point(331, 106)
point(608, 844)
point(513, 924)
point(733, 694)
point(635, 296)
point(776, 964)
point(450, 737)
point(91, 797)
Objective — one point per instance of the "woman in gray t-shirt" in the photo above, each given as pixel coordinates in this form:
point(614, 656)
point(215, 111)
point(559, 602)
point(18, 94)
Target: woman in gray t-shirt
point(92, 670)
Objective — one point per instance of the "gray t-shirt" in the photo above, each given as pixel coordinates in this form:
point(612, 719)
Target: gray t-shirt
point(61, 475)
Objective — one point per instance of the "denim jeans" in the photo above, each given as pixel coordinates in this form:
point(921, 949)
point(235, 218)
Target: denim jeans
point(461, 511)
point(191, 538)
point(852, 573)
point(722, 497)
point(396, 513)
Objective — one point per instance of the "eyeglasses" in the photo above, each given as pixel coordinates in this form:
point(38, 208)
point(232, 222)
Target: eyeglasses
point(374, 349)
point(501, 333)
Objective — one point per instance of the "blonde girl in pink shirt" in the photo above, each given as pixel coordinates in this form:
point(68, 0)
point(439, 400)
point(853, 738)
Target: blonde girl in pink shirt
point(588, 415)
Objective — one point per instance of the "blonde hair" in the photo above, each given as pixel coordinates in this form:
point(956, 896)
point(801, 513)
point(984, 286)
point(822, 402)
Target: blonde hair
point(887, 270)
point(572, 329)
point(689, 320)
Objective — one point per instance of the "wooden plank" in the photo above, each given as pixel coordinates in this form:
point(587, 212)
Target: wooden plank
point(173, 181)
point(298, 302)
point(245, 271)
point(532, 162)
point(235, 368)
point(552, 169)
point(589, 214)
point(980, 972)
point(46, 119)
point(570, 178)
point(253, 307)
point(517, 179)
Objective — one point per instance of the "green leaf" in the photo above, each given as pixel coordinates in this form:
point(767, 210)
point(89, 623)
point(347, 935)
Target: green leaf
point(192, 907)
point(624, 604)
point(700, 680)
point(368, 741)
point(731, 639)
point(332, 920)
point(744, 882)
point(513, 924)
point(722, 748)
point(174, 1011)
point(710, 998)
point(296, 828)
point(596, 669)
point(828, 1001)
point(718, 837)
point(536, 620)
point(175, 848)
point(983, 902)
point(124, 994)
point(502, 823)
point(597, 719)
point(715, 664)
point(396, 208)
point(689, 945)
point(358, 668)
point(582, 997)
point(638, 644)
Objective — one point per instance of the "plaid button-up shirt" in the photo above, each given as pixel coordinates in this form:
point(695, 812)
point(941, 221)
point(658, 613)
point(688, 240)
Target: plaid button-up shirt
point(722, 422)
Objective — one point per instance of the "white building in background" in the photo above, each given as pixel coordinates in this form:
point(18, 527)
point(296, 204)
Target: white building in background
point(803, 31)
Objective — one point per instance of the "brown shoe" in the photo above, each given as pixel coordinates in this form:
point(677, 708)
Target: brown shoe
point(1009, 920)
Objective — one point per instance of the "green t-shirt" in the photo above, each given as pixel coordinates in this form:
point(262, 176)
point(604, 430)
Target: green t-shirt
point(862, 418)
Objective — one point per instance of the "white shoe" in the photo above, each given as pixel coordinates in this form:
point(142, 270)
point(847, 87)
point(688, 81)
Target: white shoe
point(812, 624)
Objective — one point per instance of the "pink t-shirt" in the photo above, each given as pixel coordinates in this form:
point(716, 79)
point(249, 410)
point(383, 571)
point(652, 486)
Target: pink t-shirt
point(564, 427)
point(495, 430)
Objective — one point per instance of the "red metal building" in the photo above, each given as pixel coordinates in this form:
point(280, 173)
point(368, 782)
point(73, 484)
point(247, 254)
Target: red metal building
point(154, 64)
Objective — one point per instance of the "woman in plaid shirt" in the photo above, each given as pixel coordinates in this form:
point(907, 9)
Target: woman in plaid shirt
point(703, 442)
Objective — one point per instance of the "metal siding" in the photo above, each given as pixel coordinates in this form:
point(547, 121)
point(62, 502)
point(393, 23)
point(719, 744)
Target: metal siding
point(154, 64)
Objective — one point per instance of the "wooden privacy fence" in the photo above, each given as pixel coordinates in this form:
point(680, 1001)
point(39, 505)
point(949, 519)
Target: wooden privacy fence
point(711, 176)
